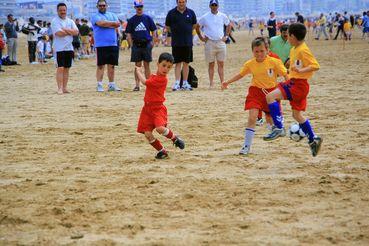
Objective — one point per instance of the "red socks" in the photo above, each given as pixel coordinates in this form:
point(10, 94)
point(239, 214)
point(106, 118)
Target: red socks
point(157, 145)
point(169, 134)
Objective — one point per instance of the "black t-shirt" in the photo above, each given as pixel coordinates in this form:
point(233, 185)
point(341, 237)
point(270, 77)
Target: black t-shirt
point(84, 30)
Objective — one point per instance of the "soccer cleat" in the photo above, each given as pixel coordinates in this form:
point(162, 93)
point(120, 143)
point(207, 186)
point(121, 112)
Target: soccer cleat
point(244, 150)
point(179, 143)
point(162, 154)
point(275, 133)
point(187, 87)
point(176, 87)
point(136, 88)
point(100, 88)
point(113, 87)
point(259, 121)
point(315, 145)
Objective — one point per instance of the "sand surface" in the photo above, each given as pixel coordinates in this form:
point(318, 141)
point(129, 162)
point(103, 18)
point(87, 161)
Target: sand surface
point(73, 170)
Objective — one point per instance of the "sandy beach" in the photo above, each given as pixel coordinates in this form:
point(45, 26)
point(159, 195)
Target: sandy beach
point(73, 170)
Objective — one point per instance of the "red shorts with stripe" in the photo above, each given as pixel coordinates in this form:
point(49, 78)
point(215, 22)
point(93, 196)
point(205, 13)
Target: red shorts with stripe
point(151, 117)
point(256, 99)
point(296, 91)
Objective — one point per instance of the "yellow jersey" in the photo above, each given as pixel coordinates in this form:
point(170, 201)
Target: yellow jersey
point(264, 74)
point(347, 27)
point(301, 57)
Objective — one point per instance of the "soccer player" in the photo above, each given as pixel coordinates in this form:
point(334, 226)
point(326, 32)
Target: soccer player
point(154, 113)
point(264, 70)
point(303, 65)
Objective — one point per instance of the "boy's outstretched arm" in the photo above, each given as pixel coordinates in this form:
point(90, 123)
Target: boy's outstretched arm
point(234, 79)
point(140, 75)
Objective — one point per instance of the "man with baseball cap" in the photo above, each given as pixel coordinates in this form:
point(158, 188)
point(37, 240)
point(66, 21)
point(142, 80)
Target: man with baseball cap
point(139, 29)
point(212, 24)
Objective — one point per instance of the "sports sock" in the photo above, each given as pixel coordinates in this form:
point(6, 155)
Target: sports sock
point(100, 83)
point(249, 135)
point(308, 130)
point(169, 134)
point(157, 145)
point(275, 112)
point(111, 83)
point(177, 82)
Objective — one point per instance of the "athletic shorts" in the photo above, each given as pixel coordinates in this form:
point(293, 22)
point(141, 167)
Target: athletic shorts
point(365, 29)
point(107, 55)
point(182, 54)
point(296, 91)
point(151, 117)
point(76, 45)
point(64, 58)
point(141, 54)
point(215, 51)
point(256, 99)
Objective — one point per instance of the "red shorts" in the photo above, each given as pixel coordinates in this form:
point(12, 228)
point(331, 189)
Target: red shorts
point(256, 98)
point(296, 91)
point(151, 117)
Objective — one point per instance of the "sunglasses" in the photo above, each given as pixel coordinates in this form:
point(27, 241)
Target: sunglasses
point(214, 5)
point(140, 7)
point(101, 5)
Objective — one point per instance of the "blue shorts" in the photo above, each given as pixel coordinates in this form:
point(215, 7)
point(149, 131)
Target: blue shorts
point(366, 30)
point(139, 54)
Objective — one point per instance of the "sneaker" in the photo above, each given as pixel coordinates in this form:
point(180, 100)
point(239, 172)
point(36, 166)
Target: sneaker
point(275, 133)
point(187, 87)
point(100, 88)
point(113, 87)
point(259, 121)
point(179, 143)
point(136, 88)
point(244, 150)
point(176, 87)
point(163, 154)
point(315, 145)
point(34, 63)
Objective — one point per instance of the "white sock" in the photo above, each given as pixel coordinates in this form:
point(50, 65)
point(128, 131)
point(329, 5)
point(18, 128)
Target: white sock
point(111, 83)
point(100, 83)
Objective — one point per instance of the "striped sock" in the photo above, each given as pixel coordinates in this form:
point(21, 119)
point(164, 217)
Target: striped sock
point(157, 145)
point(169, 134)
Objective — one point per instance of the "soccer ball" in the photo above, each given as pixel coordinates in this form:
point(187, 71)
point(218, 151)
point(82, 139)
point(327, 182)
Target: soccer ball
point(295, 132)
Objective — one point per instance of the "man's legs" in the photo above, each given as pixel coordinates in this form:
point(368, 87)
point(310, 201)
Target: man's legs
point(65, 80)
point(60, 79)
point(211, 73)
point(111, 72)
point(137, 87)
point(177, 74)
point(99, 77)
point(221, 70)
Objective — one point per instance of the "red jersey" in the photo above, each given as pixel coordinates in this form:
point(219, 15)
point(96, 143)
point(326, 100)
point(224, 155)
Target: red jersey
point(271, 54)
point(155, 89)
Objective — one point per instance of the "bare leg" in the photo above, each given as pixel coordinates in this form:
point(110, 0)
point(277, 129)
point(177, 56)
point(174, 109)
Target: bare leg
point(211, 74)
point(65, 80)
point(185, 70)
point(178, 71)
point(137, 64)
point(111, 73)
point(59, 79)
point(149, 136)
point(147, 69)
point(100, 73)
point(221, 70)
point(297, 115)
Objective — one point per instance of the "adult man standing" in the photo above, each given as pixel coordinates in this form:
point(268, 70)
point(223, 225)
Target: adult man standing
point(63, 31)
point(322, 27)
point(105, 26)
point(300, 18)
point(11, 28)
point(214, 37)
point(272, 25)
point(138, 32)
point(280, 45)
point(180, 21)
point(32, 38)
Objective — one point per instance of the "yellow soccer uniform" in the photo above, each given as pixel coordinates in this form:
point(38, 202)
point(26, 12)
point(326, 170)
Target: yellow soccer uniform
point(301, 57)
point(347, 27)
point(264, 74)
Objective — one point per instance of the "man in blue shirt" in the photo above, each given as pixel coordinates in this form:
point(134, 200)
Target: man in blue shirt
point(181, 21)
point(138, 30)
point(105, 26)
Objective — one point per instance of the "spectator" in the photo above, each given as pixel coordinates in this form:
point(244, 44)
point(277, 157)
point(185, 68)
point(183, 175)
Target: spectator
point(84, 30)
point(322, 27)
point(32, 37)
point(11, 29)
point(272, 25)
point(2, 45)
point(300, 18)
point(280, 45)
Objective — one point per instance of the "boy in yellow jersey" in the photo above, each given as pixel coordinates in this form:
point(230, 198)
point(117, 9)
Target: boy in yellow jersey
point(347, 29)
point(296, 90)
point(264, 70)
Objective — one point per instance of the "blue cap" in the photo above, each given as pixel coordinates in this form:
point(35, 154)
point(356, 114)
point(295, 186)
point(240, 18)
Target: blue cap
point(138, 3)
point(214, 2)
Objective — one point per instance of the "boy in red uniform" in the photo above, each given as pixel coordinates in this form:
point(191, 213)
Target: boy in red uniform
point(154, 113)
point(303, 65)
point(264, 70)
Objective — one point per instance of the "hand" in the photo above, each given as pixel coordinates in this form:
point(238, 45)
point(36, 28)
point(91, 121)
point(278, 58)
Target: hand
point(204, 39)
point(224, 85)
point(297, 70)
point(116, 24)
point(224, 39)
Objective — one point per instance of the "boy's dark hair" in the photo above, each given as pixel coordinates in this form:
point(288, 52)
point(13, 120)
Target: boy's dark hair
point(298, 30)
point(166, 57)
point(61, 5)
point(284, 27)
point(259, 41)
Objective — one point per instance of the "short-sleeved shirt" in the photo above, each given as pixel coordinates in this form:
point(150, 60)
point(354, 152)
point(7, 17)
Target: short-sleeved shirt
point(181, 25)
point(264, 74)
point(84, 30)
point(140, 27)
point(62, 43)
point(365, 21)
point(104, 36)
point(301, 57)
point(155, 89)
point(213, 25)
point(281, 47)
point(33, 31)
point(10, 30)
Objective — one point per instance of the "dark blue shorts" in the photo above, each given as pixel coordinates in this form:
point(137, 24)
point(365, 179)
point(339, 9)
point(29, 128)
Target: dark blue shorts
point(141, 54)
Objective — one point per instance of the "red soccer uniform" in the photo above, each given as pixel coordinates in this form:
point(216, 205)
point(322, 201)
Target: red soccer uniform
point(271, 54)
point(153, 113)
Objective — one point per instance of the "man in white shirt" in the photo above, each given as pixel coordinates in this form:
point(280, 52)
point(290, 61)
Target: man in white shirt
point(212, 24)
point(63, 31)
point(32, 37)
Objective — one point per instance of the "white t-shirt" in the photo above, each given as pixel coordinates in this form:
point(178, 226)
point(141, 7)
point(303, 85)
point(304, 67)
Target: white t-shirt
point(62, 43)
point(40, 46)
point(213, 25)
point(33, 32)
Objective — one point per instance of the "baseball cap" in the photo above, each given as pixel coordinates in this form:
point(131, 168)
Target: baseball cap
point(138, 3)
point(214, 2)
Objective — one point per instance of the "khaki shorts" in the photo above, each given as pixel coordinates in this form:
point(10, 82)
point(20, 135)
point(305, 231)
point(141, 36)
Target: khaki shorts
point(215, 51)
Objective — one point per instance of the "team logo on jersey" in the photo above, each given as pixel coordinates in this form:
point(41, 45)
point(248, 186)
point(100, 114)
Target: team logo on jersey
point(270, 72)
point(140, 27)
point(298, 64)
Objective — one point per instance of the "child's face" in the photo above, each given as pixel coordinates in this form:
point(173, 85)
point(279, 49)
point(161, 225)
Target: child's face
point(164, 67)
point(292, 39)
point(260, 52)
